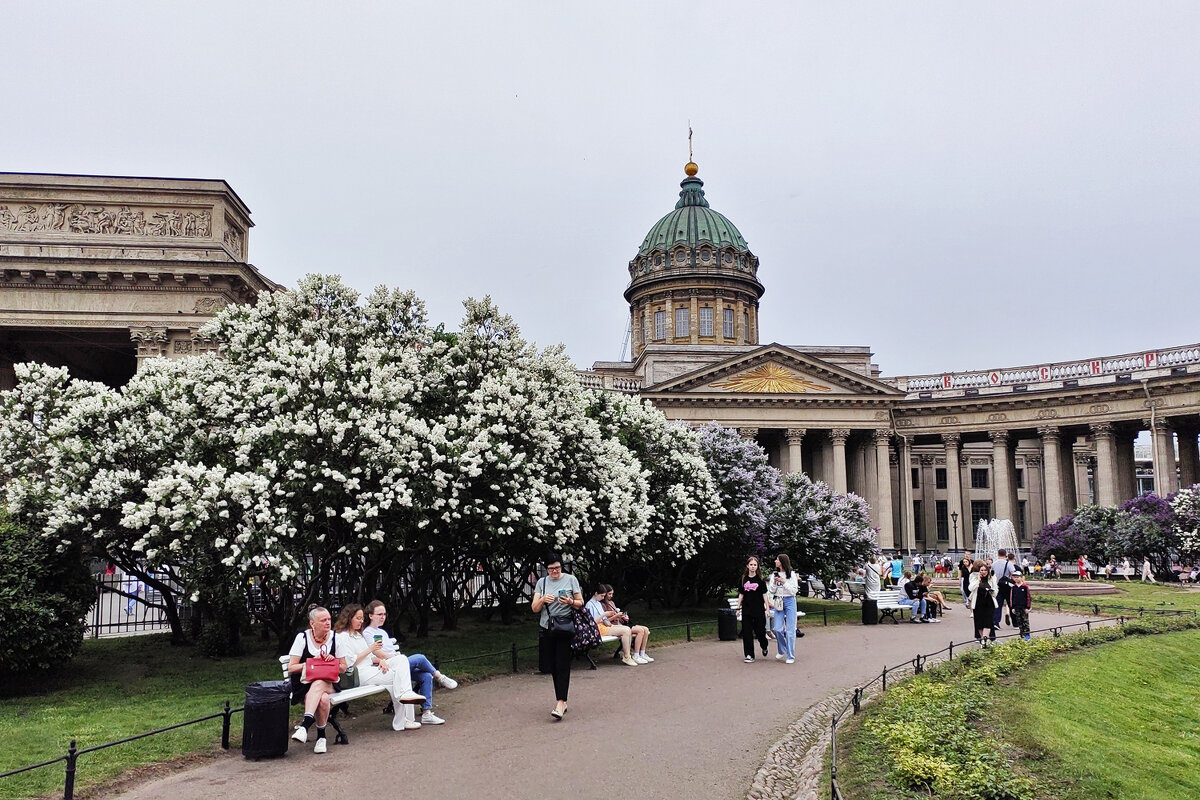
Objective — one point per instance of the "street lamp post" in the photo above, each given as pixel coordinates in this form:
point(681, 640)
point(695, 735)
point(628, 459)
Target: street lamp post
point(954, 519)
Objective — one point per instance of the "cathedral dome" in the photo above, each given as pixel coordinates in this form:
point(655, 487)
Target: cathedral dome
point(692, 222)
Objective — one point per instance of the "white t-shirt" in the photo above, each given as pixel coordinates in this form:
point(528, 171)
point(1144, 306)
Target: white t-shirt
point(369, 634)
point(350, 646)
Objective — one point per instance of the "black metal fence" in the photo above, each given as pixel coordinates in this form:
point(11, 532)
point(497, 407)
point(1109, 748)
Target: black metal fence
point(71, 757)
point(917, 665)
point(125, 606)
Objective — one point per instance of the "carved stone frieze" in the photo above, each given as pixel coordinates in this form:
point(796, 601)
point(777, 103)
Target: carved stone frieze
point(997, 418)
point(882, 415)
point(96, 219)
point(1047, 413)
point(949, 420)
point(979, 462)
point(1098, 408)
point(209, 305)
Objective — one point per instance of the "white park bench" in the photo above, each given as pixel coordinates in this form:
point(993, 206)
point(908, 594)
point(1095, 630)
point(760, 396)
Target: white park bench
point(888, 603)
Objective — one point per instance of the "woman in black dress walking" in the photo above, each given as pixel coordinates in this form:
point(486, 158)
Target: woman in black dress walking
point(982, 593)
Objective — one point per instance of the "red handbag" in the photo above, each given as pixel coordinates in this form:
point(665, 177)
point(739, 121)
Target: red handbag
point(318, 669)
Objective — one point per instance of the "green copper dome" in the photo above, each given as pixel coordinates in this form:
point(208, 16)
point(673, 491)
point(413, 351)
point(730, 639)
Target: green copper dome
point(691, 223)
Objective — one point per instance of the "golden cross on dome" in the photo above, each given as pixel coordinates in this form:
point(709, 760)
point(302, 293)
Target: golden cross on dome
point(691, 155)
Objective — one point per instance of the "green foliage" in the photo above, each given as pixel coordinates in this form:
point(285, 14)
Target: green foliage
point(934, 728)
point(44, 596)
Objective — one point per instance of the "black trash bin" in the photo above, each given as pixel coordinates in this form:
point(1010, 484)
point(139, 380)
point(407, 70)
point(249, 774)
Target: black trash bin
point(803, 588)
point(726, 624)
point(870, 612)
point(265, 720)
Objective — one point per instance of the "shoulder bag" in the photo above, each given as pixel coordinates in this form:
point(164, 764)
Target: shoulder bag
point(564, 625)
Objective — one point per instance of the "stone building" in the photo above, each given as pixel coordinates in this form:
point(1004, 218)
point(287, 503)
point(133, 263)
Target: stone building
point(932, 454)
point(101, 273)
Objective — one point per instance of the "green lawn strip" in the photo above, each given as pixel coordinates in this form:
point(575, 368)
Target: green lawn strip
point(117, 688)
point(1119, 721)
point(937, 734)
point(1132, 595)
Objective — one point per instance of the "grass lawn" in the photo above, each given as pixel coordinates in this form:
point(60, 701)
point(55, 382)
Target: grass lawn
point(1150, 596)
point(1110, 722)
point(122, 687)
point(1106, 721)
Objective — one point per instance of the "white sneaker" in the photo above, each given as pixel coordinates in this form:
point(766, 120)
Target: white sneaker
point(641, 659)
point(749, 659)
point(790, 661)
point(411, 698)
point(628, 661)
point(648, 658)
point(411, 725)
point(429, 718)
point(934, 619)
point(301, 734)
point(446, 683)
point(779, 656)
point(319, 747)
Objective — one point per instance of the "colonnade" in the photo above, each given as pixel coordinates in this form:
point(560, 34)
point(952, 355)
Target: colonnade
point(1058, 467)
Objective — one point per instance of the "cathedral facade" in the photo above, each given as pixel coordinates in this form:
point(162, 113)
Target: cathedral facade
point(102, 273)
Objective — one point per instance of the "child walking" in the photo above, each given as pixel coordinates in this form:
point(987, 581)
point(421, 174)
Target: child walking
point(1020, 602)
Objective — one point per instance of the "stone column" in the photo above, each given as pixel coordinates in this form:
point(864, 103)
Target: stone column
point(1083, 495)
point(1052, 473)
point(795, 436)
point(670, 326)
point(964, 491)
point(719, 319)
point(907, 533)
point(928, 499)
point(1189, 455)
point(151, 343)
point(883, 472)
point(1166, 480)
point(1035, 505)
point(839, 436)
point(1002, 477)
point(1106, 463)
point(1126, 464)
point(954, 504)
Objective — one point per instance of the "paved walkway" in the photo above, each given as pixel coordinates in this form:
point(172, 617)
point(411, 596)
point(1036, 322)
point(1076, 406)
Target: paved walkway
point(695, 723)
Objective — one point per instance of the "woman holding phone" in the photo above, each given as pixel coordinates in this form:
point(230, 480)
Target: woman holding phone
point(555, 598)
point(783, 586)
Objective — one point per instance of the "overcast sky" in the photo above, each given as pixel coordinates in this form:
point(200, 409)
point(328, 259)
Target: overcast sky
point(956, 185)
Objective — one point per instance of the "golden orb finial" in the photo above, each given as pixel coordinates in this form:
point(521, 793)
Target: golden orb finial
point(691, 169)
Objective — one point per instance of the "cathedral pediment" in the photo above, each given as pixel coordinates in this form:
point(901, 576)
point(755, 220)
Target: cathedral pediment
point(777, 371)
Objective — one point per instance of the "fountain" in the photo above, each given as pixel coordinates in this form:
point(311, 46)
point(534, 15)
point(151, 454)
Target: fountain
point(995, 535)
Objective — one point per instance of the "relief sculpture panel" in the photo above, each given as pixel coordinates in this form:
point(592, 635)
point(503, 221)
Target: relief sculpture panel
point(105, 220)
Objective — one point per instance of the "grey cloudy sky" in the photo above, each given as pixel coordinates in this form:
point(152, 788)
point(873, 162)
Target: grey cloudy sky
point(957, 185)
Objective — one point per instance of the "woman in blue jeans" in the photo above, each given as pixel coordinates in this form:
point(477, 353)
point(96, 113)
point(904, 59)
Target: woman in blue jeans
point(782, 586)
point(423, 675)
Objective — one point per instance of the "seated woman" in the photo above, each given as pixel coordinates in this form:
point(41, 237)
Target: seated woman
point(423, 675)
point(318, 644)
point(392, 660)
point(609, 623)
point(367, 658)
point(641, 634)
point(935, 597)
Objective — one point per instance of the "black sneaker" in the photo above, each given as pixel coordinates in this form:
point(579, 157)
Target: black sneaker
point(764, 652)
point(799, 634)
point(1007, 620)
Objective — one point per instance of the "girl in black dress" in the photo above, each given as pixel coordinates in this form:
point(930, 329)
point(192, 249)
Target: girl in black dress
point(983, 593)
point(752, 600)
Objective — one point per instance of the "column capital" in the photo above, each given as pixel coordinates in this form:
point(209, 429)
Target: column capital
point(1101, 428)
point(1033, 461)
point(1157, 424)
point(1083, 459)
point(795, 435)
point(998, 437)
point(748, 433)
point(1049, 432)
point(882, 437)
point(964, 460)
point(926, 460)
point(150, 340)
point(952, 439)
point(840, 435)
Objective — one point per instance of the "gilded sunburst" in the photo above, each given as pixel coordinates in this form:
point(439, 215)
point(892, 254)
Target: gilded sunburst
point(770, 378)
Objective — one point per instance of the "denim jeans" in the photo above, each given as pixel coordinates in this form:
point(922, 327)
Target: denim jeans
point(917, 606)
point(422, 678)
point(784, 625)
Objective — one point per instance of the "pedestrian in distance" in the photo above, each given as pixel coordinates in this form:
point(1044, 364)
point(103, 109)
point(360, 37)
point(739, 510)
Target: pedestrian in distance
point(754, 604)
point(783, 586)
point(1147, 571)
point(984, 599)
point(555, 599)
point(1020, 602)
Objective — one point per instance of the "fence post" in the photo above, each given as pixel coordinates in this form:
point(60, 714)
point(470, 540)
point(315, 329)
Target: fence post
point(514, 656)
point(226, 715)
point(1096, 609)
point(857, 700)
point(885, 679)
point(1088, 622)
point(688, 626)
point(69, 786)
point(1060, 605)
point(951, 650)
point(824, 616)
